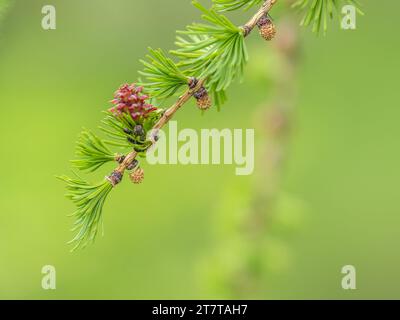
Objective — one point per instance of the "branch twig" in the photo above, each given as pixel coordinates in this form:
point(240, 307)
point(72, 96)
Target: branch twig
point(251, 24)
point(161, 123)
point(248, 27)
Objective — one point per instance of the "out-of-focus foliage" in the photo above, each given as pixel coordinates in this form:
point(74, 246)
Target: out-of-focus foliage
point(4, 5)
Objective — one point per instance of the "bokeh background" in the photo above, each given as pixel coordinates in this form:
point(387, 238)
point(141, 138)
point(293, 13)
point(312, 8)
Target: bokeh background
point(339, 196)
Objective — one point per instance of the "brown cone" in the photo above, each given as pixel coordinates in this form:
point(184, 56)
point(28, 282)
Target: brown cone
point(268, 31)
point(137, 176)
point(203, 99)
point(204, 103)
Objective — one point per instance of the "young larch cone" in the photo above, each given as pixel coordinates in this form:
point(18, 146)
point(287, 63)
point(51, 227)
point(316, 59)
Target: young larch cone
point(137, 176)
point(130, 99)
point(203, 99)
point(267, 28)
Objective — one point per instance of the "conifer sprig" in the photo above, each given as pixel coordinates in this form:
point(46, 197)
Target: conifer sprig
point(163, 76)
point(214, 55)
point(319, 12)
point(89, 200)
point(231, 5)
point(211, 56)
point(114, 128)
point(92, 152)
point(215, 51)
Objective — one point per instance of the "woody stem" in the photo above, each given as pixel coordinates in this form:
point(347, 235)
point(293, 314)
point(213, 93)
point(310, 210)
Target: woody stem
point(167, 116)
point(251, 24)
point(248, 27)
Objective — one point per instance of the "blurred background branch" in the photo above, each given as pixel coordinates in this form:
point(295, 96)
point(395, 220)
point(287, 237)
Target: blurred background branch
point(249, 251)
point(4, 6)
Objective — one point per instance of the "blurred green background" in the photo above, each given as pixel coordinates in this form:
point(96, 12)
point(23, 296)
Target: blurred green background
point(160, 237)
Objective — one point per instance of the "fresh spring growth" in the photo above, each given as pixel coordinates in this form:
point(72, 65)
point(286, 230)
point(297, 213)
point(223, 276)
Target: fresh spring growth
point(130, 100)
point(208, 57)
point(319, 12)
